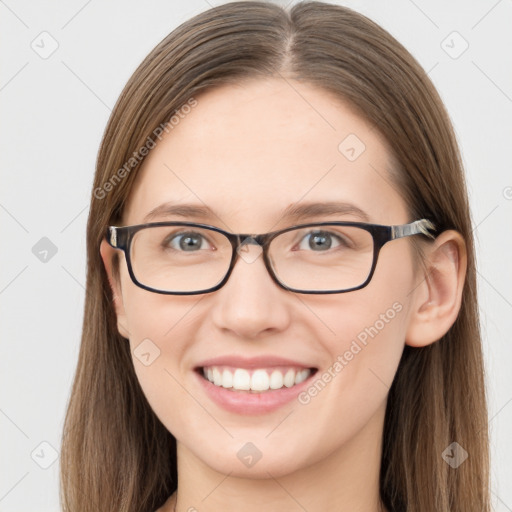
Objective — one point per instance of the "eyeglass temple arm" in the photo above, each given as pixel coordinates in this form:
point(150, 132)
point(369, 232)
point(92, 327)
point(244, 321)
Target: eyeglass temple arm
point(417, 227)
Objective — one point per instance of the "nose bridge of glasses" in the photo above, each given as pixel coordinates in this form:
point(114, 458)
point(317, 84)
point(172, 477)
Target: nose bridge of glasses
point(248, 240)
point(243, 243)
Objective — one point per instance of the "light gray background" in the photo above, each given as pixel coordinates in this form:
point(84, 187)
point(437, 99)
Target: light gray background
point(54, 111)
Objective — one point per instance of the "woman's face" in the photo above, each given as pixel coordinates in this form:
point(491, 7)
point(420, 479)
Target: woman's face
point(248, 152)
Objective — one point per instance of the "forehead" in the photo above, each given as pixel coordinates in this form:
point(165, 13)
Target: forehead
point(249, 151)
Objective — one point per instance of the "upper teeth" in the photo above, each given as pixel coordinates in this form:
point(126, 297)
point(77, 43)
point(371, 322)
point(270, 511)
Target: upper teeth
point(255, 380)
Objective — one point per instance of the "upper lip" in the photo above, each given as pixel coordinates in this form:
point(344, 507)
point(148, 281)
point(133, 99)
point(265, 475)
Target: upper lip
point(264, 361)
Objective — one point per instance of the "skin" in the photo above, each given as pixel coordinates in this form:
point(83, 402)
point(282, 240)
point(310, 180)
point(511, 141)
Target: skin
point(248, 151)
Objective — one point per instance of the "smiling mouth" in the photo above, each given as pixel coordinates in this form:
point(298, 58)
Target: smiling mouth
point(257, 380)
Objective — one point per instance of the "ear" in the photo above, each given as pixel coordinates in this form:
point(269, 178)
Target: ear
point(437, 299)
point(108, 253)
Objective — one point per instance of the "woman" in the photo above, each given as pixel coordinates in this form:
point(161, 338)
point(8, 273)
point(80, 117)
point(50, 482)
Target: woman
point(330, 357)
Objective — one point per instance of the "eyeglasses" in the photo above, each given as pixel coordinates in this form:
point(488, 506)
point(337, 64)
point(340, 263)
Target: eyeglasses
point(185, 258)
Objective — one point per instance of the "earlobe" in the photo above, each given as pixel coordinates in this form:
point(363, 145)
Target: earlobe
point(436, 300)
point(107, 254)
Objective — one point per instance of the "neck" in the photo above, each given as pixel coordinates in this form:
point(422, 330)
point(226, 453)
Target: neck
point(346, 480)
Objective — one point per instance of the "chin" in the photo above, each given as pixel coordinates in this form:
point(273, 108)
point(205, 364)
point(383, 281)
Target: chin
point(258, 460)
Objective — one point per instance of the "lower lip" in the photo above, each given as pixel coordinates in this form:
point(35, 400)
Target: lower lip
point(242, 402)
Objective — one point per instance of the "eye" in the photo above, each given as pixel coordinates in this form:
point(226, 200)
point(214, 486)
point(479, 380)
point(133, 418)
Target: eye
point(188, 241)
point(322, 240)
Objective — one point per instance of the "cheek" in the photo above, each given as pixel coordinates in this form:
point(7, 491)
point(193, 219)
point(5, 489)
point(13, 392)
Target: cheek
point(364, 354)
point(154, 316)
point(365, 343)
point(363, 333)
point(160, 328)
point(372, 353)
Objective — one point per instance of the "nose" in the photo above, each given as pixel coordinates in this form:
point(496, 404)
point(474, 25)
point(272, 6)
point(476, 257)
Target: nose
point(251, 303)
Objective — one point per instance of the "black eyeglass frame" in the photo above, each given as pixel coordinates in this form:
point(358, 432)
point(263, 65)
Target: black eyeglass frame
point(121, 238)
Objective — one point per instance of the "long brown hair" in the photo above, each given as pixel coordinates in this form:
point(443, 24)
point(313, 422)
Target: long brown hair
point(116, 454)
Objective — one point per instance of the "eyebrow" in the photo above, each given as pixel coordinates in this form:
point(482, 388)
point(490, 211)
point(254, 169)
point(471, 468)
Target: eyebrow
point(295, 212)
